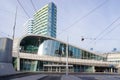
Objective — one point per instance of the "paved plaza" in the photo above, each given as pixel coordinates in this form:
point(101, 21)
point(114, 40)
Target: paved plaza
point(56, 76)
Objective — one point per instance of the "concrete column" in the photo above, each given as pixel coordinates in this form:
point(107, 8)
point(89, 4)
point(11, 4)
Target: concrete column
point(18, 64)
point(51, 68)
point(35, 66)
point(93, 69)
point(111, 70)
point(59, 69)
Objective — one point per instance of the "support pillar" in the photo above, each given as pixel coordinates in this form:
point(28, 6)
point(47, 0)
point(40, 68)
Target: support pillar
point(93, 69)
point(18, 64)
point(59, 69)
point(51, 68)
point(35, 66)
point(111, 70)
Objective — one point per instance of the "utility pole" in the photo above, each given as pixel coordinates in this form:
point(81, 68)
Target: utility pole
point(67, 58)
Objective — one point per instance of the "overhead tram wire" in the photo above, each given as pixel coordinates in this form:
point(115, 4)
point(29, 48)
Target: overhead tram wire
point(110, 30)
point(33, 5)
point(23, 8)
point(96, 38)
point(83, 17)
point(105, 29)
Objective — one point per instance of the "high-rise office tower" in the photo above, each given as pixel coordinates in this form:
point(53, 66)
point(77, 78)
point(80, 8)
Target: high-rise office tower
point(45, 20)
point(28, 27)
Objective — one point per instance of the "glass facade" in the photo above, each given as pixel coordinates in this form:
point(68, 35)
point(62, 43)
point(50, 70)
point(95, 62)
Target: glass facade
point(45, 20)
point(46, 46)
point(42, 46)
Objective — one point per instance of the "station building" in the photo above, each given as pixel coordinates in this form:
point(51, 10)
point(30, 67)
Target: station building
point(47, 54)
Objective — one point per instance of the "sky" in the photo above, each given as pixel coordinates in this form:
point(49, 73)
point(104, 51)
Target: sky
point(76, 19)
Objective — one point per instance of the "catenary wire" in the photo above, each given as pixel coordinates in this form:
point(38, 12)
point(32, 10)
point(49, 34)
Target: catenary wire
point(23, 8)
point(83, 17)
point(110, 25)
point(33, 5)
point(110, 31)
point(107, 28)
point(103, 31)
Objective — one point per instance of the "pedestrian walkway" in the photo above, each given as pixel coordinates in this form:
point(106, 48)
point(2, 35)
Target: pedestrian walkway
point(33, 77)
point(99, 77)
point(70, 77)
point(90, 77)
point(37, 76)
